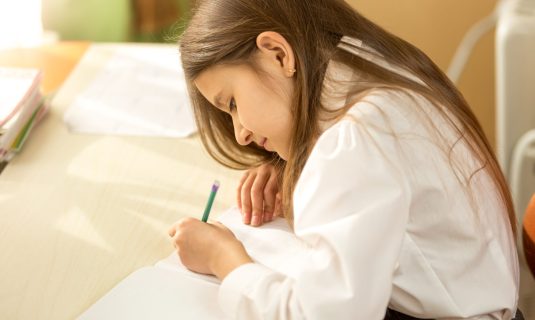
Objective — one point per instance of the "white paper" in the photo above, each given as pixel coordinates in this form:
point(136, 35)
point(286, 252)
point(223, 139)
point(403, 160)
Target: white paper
point(156, 293)
point(139, 90)
point(16, 86)
point(169, 291)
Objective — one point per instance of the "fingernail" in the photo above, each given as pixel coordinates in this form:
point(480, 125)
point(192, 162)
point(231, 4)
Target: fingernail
point(256, 220)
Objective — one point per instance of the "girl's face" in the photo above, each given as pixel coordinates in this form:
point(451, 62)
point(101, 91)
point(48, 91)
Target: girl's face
point(258, 102)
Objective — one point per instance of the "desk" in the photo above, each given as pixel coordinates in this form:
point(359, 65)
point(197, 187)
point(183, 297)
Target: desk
point(81, 212)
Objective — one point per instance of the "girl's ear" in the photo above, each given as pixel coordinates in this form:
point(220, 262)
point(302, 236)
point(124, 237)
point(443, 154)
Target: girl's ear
point(274, 46)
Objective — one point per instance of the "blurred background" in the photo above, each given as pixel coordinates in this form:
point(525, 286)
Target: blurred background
point(115, 20)
point(26, 22)
point(436, 27)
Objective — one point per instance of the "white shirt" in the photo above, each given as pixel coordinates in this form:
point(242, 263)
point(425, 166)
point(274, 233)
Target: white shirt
point(387, 223)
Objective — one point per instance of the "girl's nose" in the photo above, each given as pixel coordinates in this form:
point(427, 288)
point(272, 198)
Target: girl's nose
point(243, 136)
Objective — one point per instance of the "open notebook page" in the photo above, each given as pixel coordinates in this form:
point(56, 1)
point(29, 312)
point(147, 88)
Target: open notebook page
point(168, 290)
point(129, 89)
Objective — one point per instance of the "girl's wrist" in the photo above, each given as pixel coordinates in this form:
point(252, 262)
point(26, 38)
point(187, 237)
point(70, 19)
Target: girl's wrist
point(228, 258)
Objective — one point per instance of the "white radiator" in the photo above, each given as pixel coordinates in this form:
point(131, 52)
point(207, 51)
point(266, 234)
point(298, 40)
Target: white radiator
point(515, 98)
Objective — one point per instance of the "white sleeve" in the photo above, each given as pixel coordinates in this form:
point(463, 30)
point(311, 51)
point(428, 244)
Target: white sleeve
point(351, 208)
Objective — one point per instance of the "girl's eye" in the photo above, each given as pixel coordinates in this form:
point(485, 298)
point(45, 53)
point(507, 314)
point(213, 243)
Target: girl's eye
point(232, 105)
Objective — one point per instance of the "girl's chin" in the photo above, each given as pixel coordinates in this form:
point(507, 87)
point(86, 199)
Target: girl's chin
point(283, 156)
point(268, 147)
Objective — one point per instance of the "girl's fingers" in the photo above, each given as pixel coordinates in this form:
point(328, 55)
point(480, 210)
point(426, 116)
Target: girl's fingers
point(257, 197)
point(270, 191)
point(278, 205)
point(238, 190)
point(172, 230)
point(246, 204)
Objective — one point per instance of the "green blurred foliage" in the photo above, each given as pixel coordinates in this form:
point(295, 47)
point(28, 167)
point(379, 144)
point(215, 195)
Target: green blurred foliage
point(106, 21)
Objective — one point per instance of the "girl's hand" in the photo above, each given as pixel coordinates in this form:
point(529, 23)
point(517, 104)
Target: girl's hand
point(207, 248)
point(258, 195)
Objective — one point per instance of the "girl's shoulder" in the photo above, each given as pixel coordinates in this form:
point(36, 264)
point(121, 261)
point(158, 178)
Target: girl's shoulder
point(394, 111)
point(402, 124)
point(400, 104)
point(380, 117)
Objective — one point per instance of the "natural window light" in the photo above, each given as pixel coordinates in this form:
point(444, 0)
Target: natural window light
point(20, 23)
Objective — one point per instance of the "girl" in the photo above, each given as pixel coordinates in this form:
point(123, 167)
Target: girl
point(379, 164)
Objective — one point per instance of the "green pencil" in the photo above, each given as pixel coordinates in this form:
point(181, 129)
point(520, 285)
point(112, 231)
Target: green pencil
point(215, 187)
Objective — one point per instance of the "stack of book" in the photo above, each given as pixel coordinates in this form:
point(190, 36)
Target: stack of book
point(22, 105)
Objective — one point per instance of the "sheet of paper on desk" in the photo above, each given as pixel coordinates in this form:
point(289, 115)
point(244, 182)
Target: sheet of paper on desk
point(136, 90)
point(168, 290)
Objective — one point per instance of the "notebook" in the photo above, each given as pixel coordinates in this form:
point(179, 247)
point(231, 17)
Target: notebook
point(21, 106)
point(18, 85)
point(168, 290)
point(128, 89)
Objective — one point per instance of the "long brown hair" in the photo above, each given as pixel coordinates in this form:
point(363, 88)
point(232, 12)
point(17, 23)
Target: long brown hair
point(225, 31)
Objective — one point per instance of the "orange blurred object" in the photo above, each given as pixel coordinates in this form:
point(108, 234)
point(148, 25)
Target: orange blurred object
point(528, 235)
